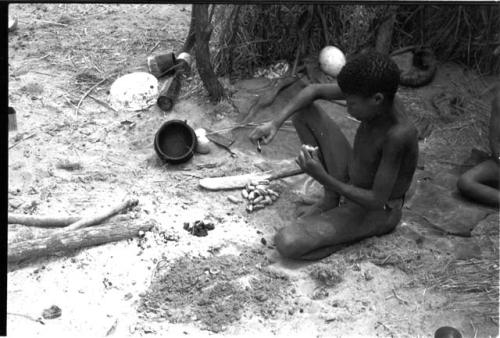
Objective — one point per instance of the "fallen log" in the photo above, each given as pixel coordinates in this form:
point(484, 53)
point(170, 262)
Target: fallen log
point(66, 241)
point(99, 218)
point(42, 221)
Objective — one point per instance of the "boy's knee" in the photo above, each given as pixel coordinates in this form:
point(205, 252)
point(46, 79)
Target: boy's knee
point(302, 116)
point(286, 244)
point(465, 183)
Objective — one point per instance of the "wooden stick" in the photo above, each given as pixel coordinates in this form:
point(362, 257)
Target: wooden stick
point(87, 93)
point(21, 140)
point(99, 218)
point(42, 221)
point(38, 320)
point(71, 240)
point(401, 300)
point(102, 103)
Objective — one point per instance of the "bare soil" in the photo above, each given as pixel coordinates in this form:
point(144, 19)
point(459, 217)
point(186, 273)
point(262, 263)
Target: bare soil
point(231, 282)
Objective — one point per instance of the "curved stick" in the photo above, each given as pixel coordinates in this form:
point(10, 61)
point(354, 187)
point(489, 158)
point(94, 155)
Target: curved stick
point(42, 221)
point(99, 218)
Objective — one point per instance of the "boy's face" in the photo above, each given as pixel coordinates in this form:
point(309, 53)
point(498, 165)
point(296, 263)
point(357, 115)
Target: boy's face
point(363, 108)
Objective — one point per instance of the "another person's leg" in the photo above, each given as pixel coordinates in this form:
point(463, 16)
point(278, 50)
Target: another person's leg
point(318, 236)
point(481, 183)
point(316, 128)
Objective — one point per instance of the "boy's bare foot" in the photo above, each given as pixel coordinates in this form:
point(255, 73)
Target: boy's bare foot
point(329, 201)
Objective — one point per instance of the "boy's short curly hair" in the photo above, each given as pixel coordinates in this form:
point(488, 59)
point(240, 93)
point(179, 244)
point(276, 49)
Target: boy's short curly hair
point(370, 73)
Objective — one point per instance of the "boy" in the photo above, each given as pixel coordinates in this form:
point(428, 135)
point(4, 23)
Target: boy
point(373, 176)
point(481, 183)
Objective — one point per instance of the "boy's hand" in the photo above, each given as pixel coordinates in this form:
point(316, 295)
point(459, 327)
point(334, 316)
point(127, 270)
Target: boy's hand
point(308, 161)
point(264, 132)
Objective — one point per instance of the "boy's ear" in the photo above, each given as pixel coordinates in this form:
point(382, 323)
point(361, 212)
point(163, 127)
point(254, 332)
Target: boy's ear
point(378, 98)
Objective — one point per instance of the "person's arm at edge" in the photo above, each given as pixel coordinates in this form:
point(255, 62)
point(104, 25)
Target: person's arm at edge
point(494, 128)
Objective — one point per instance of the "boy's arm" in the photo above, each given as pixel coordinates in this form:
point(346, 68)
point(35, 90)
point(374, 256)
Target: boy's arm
point(306, 96)
point(385, 177)
point(494, 130)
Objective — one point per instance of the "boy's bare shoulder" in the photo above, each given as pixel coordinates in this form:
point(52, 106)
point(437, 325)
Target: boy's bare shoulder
point(403, 134)
point(404, 129)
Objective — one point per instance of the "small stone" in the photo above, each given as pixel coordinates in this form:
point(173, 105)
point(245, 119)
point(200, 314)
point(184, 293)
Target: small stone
point(51, 313)
point(368, 276)
point(261, 297)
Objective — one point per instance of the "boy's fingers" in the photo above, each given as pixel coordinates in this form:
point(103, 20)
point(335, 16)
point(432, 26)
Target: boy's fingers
point(268, 138)
point(300, 163)
point(301, 158)
point(253, 136)
point(306, 155)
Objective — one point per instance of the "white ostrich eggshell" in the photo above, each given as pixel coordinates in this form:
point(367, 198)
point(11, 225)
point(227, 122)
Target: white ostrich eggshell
point(134, 91)
point(331, 60)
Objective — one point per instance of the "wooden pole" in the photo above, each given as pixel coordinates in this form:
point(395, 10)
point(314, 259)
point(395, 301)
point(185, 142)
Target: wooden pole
point(99, 218)
point(203, 30)
point(71, 240)
point(42, 221)
point(384, 33)
point(191, 37)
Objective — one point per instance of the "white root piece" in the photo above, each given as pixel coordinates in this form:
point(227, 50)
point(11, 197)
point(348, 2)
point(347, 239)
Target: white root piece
point(102, 216)
point(258, 206)
point(268, 200)
point(272, 192)
point(233, 199)
point(258, 199)
point(252, 195)
point(263, 192)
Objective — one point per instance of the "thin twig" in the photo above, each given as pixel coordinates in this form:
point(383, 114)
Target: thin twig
point(386, 259)
point(42, 73)
point(353, 119)
point(103, 103)
point(473, 329)
point(154, 47)
point(88, 92)
point(27, 317)
point(405, 302)
point(48, 22)
point(21, 140)
point(384, 326)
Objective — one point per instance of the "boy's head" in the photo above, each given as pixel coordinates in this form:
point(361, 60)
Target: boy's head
point(370, 82)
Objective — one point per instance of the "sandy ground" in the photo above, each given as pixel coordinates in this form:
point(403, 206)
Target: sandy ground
point(373, 288)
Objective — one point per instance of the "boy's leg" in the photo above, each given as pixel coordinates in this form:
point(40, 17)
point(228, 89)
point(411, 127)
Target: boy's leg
point(316, 128)
point(317, 236)
point(474, 183)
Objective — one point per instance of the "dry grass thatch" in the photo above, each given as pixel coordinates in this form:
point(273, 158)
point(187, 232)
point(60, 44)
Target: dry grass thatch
point(250, 36)
point(475, 283)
